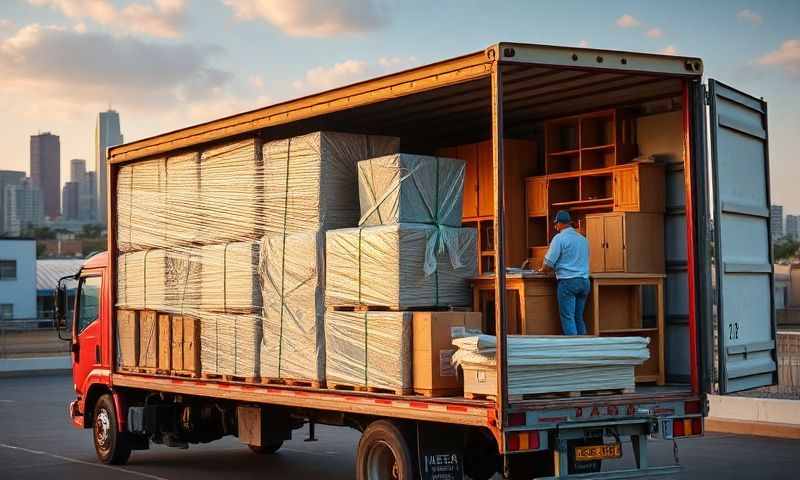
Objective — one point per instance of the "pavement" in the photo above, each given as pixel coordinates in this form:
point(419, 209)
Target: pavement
point(37, 441)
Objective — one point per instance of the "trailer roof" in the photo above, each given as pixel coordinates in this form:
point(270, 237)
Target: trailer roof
point(466, 75)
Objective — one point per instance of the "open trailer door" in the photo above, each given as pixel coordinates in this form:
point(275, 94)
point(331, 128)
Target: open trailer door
point(740, 165)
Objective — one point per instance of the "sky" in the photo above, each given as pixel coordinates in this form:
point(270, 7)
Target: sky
point(168, 64)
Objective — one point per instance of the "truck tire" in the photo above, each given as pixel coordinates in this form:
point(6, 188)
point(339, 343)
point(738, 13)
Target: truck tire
point(111, 445)
point(383, 453)
point(267, 449)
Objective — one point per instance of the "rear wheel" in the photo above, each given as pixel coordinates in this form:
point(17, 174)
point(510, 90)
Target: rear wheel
point(383, 453)
point(267, 449)
point(112, 445)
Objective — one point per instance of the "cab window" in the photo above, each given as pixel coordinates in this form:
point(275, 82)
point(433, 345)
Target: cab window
point(88, 307)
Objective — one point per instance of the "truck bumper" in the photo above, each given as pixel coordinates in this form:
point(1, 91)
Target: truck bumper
point(75, 416)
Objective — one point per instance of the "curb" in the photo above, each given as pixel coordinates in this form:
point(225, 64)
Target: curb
point(22, 367)
point(767, 417)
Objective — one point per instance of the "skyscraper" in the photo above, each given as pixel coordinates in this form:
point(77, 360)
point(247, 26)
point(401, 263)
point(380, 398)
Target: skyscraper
point(46, 171)
point(23, 207)
point(77, 170)
point(70, 200)
point(776, 221)
point(87, 210)
point(7, 177)
point(793, 226)
point(106, 134)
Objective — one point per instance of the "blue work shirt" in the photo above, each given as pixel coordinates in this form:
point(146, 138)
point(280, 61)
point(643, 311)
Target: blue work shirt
point(568, 255)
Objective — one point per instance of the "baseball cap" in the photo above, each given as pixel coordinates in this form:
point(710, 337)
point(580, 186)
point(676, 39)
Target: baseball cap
point(562, 216)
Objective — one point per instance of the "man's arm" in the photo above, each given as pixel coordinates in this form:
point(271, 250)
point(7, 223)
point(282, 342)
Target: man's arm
point(552, 255)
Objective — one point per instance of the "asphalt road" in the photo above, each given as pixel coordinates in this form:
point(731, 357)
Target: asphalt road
point(37, 442)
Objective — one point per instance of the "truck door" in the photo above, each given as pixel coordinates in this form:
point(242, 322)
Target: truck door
point(743, 268)
point(86, 354)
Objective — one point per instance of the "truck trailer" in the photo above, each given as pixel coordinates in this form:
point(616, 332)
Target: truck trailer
point(719, 328)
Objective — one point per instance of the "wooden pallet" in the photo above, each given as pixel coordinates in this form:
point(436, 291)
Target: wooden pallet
point(438, 392)
point(364, 388)
point(293, 382)
point(393, 308)
point(211, 376)
point(238, 378)
point(552, 395)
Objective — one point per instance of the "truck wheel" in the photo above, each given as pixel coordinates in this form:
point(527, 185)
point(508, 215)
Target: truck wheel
point(111, 445)
point(266, 449)
point(383, 453)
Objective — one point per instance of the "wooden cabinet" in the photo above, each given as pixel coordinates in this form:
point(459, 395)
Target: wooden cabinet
point(639, 187)
point(536, 196)
point(625, 242)
point(478, 211)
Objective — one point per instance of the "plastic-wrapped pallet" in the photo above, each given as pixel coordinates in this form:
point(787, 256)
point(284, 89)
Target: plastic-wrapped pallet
point(369, 349)
point(404, 188)
point(231, 192)
point(141, 200)
point(310, 182)
point(183, 199)
point(401, 266)
point(292, 278)
point(229, 282)
point(158, 280)
point(238, 343)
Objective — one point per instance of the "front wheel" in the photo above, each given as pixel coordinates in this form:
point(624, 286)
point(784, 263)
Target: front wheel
point(111, 445)
point(383, 453)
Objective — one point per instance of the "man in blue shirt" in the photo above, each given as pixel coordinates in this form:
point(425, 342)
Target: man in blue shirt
point(568, 256)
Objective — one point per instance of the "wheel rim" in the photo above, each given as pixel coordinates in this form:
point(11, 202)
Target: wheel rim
point(102, 429)
point(382, 462)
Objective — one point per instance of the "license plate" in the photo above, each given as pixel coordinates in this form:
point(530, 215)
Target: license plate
point(598, 452)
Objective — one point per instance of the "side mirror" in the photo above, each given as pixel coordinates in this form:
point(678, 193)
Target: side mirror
point(60, 311)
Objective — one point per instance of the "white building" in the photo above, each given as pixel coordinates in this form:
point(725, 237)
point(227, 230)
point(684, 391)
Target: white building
point(17, 279)
point(776, 221)
point(23, 207)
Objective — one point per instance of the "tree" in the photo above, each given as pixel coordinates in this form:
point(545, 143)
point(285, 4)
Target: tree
point(90, 230)
point(786, 248)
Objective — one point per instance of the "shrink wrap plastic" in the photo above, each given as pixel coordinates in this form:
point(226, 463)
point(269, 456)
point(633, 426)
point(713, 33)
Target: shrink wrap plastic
point(193, 230)
point(370, 349)
point(401, 266)
point(404, 188)
point(552, 364)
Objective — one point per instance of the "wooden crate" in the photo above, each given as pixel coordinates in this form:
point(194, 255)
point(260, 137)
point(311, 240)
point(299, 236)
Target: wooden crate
point(128, 336)
point(185, 343)
point(148, 339)
point(164, 342)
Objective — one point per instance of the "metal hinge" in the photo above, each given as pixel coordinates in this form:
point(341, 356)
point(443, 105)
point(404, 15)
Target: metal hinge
point(706, 95)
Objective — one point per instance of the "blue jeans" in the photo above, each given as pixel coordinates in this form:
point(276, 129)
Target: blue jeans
point(572, 293)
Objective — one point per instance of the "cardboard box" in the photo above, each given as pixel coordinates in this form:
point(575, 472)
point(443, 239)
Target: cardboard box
point(128, 337)
point(432, 349)
point(164, 342)
point(148, 339)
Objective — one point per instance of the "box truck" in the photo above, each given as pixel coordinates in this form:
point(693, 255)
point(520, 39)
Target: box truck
point(718, 328)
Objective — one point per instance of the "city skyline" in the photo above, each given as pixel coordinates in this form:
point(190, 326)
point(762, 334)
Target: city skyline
point(107, 134)
point(182, 76)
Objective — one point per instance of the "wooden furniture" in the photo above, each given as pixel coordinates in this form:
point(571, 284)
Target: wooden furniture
point(521, 161)
point(616, 309)
point(532, 303)
point(625, 242)
point(639, 187)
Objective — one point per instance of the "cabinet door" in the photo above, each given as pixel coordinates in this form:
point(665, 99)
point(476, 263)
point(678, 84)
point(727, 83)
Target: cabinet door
point(614, 229)
point(537, 196)
point(469, 153)
point(626, 190)
point(485, 183)
point(596, 238)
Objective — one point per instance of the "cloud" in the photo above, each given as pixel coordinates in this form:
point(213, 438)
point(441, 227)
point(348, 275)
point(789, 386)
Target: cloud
point(787, 57)
point(349, 71)
point(749, 16)
point(655, 32)
point(80, 67)
point(314, 18)
point(669, 50)
point(628, 21)
point(157, 18)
